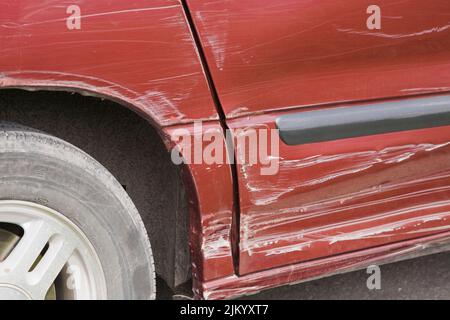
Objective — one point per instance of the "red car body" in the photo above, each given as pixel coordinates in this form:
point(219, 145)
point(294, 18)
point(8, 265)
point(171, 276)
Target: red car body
point(334, 205)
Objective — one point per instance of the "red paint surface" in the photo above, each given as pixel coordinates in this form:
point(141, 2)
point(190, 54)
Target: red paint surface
point(338, 196)
point(139, 52)
point(270, 55)
point(210, 190)
point(233, 286)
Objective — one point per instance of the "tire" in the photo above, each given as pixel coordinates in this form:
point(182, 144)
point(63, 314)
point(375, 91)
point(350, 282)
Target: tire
point(40, 168)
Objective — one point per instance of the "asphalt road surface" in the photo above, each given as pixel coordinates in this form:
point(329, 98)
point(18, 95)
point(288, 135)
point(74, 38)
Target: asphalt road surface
point(421, 278)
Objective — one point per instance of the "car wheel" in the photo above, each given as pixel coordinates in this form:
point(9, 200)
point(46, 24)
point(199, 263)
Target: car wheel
point(68, 229)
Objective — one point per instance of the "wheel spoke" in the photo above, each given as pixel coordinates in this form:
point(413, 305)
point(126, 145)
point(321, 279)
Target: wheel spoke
point(45, 273)
point(31, 262)
point(21, 259)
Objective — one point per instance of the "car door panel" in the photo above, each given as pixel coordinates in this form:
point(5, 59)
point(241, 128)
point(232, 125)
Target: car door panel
point(343, 184)
point(270, 55)
point(342, 195)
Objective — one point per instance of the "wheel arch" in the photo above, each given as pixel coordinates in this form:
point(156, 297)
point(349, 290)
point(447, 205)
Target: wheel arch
point(172, 272)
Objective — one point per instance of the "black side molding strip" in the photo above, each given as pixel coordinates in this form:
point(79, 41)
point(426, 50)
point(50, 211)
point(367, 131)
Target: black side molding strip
point(364, 120)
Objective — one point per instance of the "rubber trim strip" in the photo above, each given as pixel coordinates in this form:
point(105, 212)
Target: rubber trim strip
point(364, 120)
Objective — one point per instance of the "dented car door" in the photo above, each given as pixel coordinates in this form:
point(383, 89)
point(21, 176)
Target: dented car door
point(358, 94)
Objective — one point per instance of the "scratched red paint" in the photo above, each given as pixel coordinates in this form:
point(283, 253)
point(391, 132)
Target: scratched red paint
point(234, 286)
point(380, 196)
point(271, 55)
point(211, 192)
point(140, 52)
point(339, 196)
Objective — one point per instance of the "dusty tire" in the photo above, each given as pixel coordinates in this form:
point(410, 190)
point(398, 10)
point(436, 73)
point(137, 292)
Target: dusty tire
point(43, 169)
